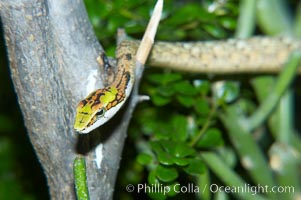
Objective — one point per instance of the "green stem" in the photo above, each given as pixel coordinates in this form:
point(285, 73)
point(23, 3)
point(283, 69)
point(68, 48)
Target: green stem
point(297, 24)
point(250, 154)
point(284, 135)
point(221, 196)
point(227, 175)
point(203, 180)
point(283, 149)
point(246, 20)
point(296, 142)
point(262, 86)
point(205, 126)
point(273, 17)
point(79, 169)
point(271, 101)
point(285, 165)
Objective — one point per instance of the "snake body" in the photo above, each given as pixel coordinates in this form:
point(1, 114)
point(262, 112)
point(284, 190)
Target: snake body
point(254, 55)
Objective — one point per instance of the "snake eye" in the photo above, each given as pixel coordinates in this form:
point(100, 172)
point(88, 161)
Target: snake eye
point(100, 113)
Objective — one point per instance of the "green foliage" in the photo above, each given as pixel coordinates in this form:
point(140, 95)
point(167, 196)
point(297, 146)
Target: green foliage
point(180, 121)
point(10, 186)
point(180, 126)
point(174, 131)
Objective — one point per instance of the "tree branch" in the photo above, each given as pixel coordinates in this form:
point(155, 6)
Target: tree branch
point(52, 50)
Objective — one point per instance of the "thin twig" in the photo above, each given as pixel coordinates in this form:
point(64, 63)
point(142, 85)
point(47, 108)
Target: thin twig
point(145, 47)
point(149, 35)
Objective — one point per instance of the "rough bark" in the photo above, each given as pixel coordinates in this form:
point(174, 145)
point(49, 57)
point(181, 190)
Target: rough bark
point(52, 51)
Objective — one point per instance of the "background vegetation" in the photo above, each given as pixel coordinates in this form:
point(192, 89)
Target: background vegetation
point(192, 129)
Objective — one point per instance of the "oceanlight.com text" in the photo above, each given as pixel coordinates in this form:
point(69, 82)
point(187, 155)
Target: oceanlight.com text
point(213, 188)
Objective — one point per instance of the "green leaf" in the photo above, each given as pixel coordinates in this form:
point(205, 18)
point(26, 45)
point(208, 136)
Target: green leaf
point(186, 101)
point(183, 150)
point(144, 159)
point(152, 178)
point(187, 14)
point(180, 127)
point(166, 174)
point(180, 161)
point(177, 149)
point(195, 167)
point(156, 146)
point(159, 100)
point(202, 120)
point(202, 106)
point(163, 131)
point(185, 88)
point(149, 127)
point(164, 158)
point(167, 145)
point(165, 90)
point(173, 189)
point(168, 151)
point(164, 79)
point(211, 138)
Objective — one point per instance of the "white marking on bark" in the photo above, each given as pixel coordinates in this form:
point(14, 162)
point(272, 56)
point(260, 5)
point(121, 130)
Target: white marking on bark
point(91, 81)
point(99, 155)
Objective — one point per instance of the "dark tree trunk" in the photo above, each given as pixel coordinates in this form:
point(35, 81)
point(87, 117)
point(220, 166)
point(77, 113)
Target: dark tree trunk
point(52, 53)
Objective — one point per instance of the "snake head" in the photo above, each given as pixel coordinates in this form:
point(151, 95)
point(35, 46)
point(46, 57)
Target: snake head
point(97, 108)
